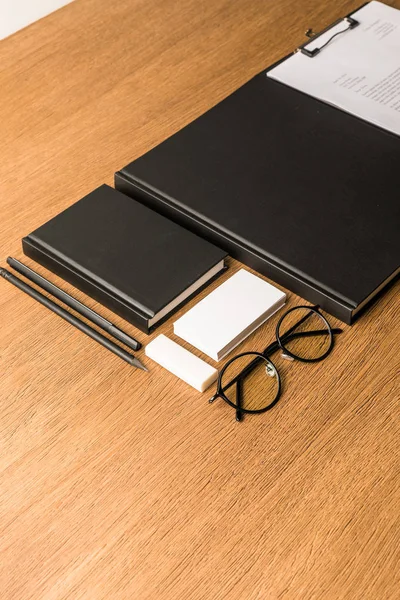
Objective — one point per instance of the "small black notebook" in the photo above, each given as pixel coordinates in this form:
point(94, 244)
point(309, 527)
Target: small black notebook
point(128, 257)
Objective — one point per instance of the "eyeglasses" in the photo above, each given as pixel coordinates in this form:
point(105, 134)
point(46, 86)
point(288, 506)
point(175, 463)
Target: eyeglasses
point(250, 382)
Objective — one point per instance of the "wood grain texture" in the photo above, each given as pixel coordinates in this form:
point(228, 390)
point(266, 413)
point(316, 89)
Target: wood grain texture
point(119, 484)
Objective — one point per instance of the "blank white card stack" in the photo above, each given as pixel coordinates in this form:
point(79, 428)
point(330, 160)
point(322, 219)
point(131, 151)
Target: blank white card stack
point(224, 318)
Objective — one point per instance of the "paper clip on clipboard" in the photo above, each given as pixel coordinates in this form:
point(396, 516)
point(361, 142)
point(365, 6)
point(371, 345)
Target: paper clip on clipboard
point(349, 21)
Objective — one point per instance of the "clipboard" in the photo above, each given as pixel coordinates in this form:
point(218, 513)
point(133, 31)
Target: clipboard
point(325, 85)
point(348, 22)
point(287, 184)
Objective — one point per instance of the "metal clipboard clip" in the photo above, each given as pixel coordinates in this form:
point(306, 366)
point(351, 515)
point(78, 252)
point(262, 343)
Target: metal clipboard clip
point(349, 22)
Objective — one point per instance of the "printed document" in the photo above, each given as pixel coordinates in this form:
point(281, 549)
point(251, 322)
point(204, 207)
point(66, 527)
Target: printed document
point(358, 71)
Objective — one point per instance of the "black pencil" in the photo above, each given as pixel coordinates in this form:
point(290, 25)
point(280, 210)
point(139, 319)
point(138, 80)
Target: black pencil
point(73, 303)
point(64, 314)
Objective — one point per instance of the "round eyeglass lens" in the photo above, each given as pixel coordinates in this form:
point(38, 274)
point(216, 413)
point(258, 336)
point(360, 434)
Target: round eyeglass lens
point(250, 382)
point(305, 334)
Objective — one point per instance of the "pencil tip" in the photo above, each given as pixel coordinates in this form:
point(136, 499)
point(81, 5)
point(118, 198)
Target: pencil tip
point(136, 363)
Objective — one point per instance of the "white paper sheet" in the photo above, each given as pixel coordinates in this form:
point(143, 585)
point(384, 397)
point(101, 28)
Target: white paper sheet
point(358, 71)
point(17, 14)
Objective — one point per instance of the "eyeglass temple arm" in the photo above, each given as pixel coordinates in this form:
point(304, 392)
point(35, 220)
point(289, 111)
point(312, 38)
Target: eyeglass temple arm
point(289, 331)
point(239, 394)
point(275, 345)
point(337, 330)
point(270, 349)
point(303, 319)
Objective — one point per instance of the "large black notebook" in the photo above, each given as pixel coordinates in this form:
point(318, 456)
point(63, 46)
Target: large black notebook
point(299, 190)
point(128, 257)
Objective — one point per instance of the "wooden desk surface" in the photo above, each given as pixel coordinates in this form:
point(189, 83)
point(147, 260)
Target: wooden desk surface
point(119, 484)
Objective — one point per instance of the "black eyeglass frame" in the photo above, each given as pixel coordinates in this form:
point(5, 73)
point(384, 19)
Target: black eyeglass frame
point(279, 344)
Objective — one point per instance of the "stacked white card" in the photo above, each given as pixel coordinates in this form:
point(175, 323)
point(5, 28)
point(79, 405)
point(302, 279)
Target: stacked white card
point(224, 318)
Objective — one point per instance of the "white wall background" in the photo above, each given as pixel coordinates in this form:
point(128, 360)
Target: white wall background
point(16, 14)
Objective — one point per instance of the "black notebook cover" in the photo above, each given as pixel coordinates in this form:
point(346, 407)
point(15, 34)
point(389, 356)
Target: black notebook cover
point(299, 190)
point(126, 256)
